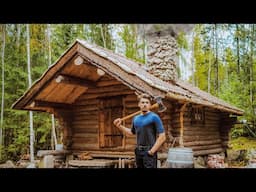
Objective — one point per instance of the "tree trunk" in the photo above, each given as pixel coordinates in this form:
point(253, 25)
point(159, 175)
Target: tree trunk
point(216, 62)
point(53, 135)
point(251, 71)
point(2, 100)
point(29, 85)
point(103, 35)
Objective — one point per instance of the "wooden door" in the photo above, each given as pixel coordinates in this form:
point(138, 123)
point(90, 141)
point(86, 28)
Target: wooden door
point(110, 108)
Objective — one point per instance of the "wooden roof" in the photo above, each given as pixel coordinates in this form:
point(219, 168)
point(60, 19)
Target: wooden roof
point(76, 78)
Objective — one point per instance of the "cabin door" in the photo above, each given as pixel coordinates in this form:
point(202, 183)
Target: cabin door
point(110, 108)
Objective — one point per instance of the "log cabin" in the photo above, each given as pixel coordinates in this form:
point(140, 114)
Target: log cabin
point(89, 86)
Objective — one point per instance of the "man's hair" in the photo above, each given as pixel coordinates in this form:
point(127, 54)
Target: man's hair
point(145, 96)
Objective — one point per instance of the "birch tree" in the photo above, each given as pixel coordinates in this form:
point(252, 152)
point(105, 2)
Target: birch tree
point(53, 137)
point(29, 85)
point(2, 100)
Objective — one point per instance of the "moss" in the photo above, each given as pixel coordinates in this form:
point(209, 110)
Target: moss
point(242, 143)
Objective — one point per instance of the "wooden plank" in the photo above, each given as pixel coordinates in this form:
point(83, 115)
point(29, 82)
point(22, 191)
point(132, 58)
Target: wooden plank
point(99, 163)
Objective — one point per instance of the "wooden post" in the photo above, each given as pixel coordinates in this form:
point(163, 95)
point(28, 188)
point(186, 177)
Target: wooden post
point(181, 124)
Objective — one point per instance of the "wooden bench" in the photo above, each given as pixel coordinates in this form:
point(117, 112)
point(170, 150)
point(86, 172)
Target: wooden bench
point(94, 163)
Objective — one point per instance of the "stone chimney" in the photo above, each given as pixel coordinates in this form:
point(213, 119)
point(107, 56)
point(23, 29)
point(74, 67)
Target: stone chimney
point(162, 57)
point(162, 48)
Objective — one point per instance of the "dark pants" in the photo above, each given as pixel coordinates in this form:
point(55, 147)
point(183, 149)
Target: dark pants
point(144, 160)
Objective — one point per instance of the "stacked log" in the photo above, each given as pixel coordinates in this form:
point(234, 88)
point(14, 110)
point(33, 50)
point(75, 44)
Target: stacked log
point(202, 136)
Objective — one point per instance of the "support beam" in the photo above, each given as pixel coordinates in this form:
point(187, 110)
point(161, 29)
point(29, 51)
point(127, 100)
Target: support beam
point(182, 124)
point(37, 103)
point(100, 72)
point(79, 60)
point(65, 79)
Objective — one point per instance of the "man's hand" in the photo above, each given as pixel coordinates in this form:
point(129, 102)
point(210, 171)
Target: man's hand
point(117, 122)
point(150, 153)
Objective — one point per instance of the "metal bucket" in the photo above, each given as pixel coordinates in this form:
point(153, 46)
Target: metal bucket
point(180, 158)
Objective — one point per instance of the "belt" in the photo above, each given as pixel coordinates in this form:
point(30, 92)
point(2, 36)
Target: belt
point(143, 147)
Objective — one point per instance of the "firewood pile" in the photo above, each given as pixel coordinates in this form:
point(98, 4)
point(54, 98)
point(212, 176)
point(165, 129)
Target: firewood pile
point(216, 161)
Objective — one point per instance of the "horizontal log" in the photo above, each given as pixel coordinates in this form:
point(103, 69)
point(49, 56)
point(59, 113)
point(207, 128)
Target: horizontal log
point(188, 128)
point(213, 134)
point(108, 83)
point(198, 138)
point(205, 147)
point(212, 116)
point(37, 103)
point(83, 135)
point(84, 146)
point(85, 140)
point(106, 94)
point(85, 113)
point(131, 97)
point(86, 118)
point(131, 104)
point(85, 130)
point(86, 107)
point(207, 152)
point(206, 142)
point(87, 102)
point(70, 80)
point(92, 123)
point(108, 89)
point(92, 147)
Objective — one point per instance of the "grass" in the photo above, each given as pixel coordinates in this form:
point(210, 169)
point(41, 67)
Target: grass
point(242, 143)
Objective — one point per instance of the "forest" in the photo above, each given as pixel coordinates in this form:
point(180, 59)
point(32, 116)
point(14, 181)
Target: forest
point(217, 58)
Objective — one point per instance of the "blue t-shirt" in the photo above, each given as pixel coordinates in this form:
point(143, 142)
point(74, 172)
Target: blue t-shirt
point(146, 127)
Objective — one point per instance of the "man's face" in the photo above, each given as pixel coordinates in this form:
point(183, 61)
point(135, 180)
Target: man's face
point(144, 105)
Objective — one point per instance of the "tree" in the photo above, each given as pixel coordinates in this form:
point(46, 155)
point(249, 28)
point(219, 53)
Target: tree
point(2, 95)
point(29, 85)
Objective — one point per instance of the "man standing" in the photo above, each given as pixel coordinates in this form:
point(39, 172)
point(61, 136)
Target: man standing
point(146, 126)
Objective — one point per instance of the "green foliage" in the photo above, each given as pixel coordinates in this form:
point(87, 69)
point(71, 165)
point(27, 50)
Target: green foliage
point(134, 49)
point(182, 41)
point(242, 143)
point(230, 46)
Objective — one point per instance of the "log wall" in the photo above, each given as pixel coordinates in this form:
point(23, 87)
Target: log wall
point(81, 125)
point(85, 121)
point(203, 137)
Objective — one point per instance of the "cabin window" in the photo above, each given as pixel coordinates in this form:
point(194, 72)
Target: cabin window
point(197, 115)
point(110, 108)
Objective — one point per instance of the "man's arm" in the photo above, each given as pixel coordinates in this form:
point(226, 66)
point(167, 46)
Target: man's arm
point(117, 122)
point(160, 140)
